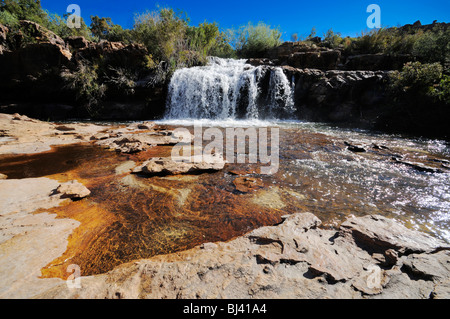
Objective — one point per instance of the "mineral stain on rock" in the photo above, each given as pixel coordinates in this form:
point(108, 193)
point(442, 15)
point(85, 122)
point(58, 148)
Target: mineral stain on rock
point(128, 217)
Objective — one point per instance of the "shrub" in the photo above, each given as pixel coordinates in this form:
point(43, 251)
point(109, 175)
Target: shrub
point(417, 81)
point(442, 90)
point(88, 89)
point(7, 18)
point(163, 33)
point(433, 46)
point(255, 40)
point(331, 39)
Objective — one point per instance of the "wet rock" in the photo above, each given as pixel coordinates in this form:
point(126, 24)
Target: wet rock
point(241, 172)
point(73, 190)
point(146, 126)
point(418, 166)
point(124, 142)
point(169, 166)
point(354, 148)
point(247, 184)
point(379, 147)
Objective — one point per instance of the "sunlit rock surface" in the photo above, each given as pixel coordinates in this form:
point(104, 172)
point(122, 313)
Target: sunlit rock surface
point(296, 259)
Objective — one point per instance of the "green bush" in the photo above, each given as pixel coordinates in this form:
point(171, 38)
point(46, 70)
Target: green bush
point(254, 40)
point(162, 32)
point(88, 89)
point(433, 46)
point(442, 90)
point(418, 80)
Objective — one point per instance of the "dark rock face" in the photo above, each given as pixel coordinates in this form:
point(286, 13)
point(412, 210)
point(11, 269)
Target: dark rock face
point(32, 83)
point(371, 62)
point(324, 60)
point(338, 96)
point(299, 55)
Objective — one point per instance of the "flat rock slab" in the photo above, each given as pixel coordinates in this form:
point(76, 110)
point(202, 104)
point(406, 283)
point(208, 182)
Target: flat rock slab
point(379, 232)
point(293, 260)
point(28, 241)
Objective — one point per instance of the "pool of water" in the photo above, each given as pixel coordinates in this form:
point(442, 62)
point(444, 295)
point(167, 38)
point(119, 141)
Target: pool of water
point(130, 217)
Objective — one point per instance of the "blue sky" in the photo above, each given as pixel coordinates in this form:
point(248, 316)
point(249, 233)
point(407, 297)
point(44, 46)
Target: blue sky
point(292, 16)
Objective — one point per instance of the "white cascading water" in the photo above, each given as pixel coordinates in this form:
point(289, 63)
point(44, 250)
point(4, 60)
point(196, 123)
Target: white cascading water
point(228, 89)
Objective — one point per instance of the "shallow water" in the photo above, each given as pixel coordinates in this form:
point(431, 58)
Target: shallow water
point(129, 217)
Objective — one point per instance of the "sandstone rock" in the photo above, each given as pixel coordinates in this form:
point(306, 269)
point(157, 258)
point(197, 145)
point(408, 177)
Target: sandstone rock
point(41, 34)
point(442, 290)
point(65, 128)
point(100, 137)
point(295, 259)
point(169, 166)
point(73, 190)
point(29, 241)
point(128, 145)
point(381, 233)
point(373, 62)
point(434, 267)
point(133, 143)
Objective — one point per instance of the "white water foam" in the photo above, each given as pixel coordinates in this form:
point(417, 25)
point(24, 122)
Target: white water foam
point(228, 89)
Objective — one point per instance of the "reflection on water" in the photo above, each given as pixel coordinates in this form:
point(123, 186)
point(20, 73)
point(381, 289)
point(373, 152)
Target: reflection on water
point(129, 217)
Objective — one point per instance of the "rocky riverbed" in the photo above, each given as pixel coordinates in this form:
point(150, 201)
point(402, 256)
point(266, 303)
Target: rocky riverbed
point(72, 216)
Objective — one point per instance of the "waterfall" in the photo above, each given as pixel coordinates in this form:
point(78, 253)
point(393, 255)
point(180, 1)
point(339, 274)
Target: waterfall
point(228, 88)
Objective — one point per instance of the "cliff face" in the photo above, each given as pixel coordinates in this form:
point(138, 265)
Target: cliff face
point(33, 76)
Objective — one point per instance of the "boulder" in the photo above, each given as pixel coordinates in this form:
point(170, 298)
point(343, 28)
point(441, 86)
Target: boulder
point(73, 190)
point(380, 234)
point(126, 144)
point(77, 42)
point(3, 176)
point(41, 34)
point(194, 165)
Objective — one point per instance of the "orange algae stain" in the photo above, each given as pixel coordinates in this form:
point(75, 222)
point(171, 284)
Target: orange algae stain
point(129, 217)
point(93, 222)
